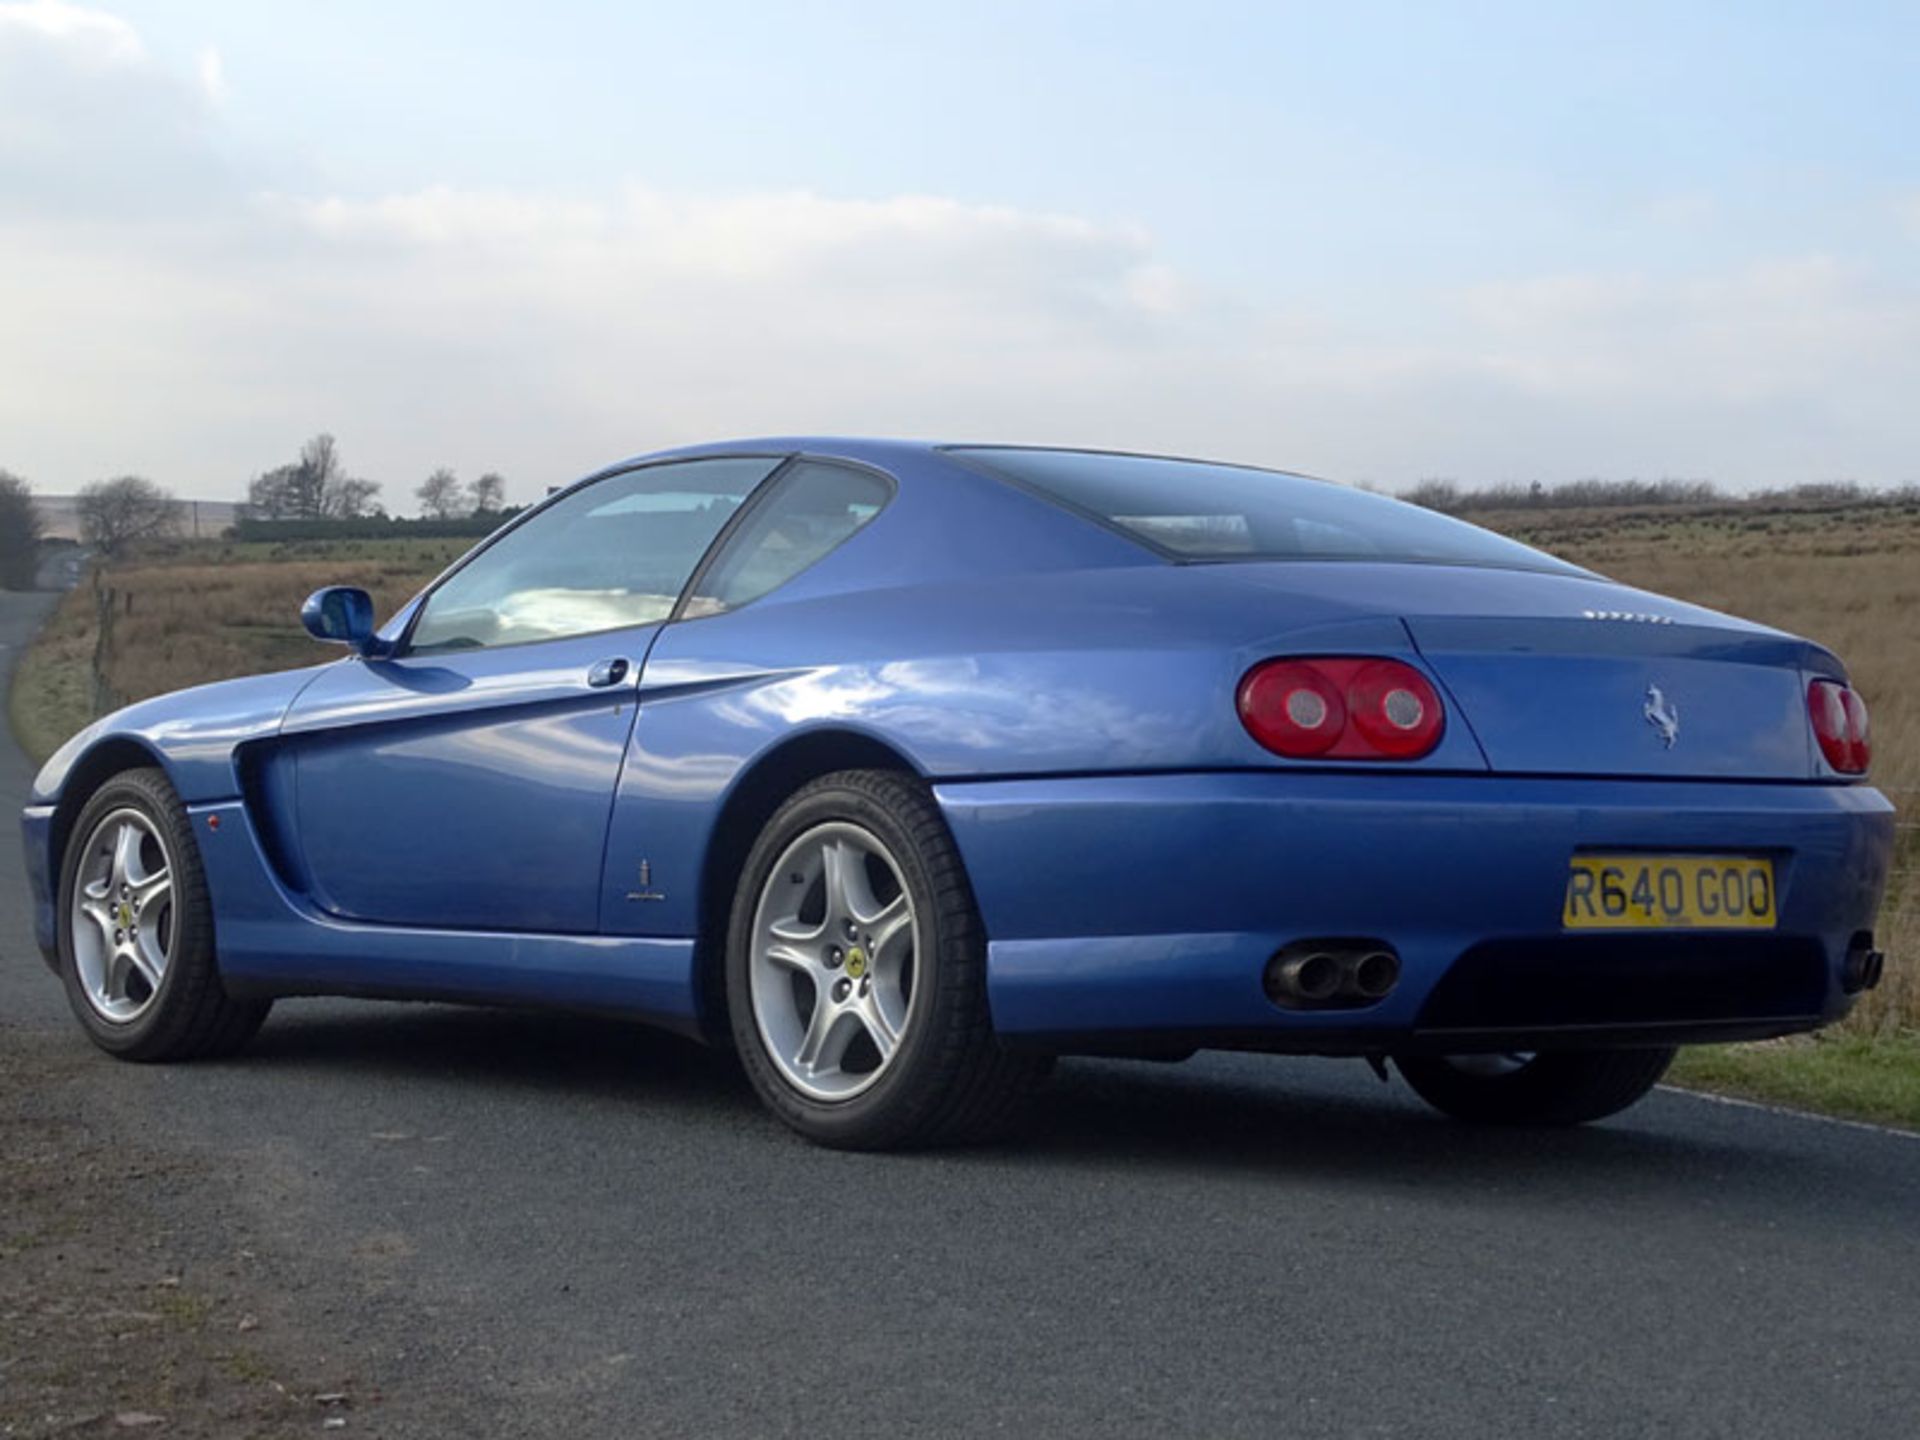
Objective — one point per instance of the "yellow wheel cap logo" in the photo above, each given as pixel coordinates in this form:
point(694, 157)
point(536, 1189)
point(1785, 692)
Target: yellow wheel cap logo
point(126, 915)
point(856, 962)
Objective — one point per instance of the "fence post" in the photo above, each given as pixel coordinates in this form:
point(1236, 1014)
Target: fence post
point(103, 698)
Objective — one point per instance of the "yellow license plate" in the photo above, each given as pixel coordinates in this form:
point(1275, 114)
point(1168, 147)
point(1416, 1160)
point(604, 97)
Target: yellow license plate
point(1669, 892)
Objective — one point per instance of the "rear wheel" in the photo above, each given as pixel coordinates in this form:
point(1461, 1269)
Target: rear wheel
point(1565, 1087)
point(856, 973)
point(136, 930)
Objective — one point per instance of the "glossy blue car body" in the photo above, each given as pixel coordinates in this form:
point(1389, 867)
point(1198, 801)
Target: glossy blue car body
point(486, 825)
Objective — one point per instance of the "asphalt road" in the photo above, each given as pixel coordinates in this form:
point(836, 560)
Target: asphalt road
point(523, 1225)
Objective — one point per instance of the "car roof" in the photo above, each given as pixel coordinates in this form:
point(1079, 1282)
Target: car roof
point(880, 450)
point(842, 447)
point(973, 521)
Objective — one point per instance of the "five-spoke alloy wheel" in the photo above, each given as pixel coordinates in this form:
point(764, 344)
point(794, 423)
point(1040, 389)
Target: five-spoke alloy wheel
point(136, 929)
point(832, 963)
point(856, 972)
point(122, 916)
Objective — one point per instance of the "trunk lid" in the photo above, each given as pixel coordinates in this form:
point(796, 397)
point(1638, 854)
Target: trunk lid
point(1567, 674)
point(1604, 696)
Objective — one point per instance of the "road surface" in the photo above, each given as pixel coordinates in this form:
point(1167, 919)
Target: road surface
point(498, 1224)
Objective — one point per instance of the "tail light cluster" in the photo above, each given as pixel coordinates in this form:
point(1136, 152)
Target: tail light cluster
point(1840, 725)
point(1341, 708)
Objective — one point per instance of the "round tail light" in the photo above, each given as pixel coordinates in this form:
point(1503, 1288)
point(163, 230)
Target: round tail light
point(1341, 708)
point(1292, 708)
point(1840, 724)
point(1394, 707)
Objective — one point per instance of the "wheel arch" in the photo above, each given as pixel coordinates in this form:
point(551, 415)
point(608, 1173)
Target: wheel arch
point(757, 792)
point(102, 761)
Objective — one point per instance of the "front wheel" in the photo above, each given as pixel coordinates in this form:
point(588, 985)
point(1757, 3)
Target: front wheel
point(1564, 1087)
point(136, 929)
point(856, 973)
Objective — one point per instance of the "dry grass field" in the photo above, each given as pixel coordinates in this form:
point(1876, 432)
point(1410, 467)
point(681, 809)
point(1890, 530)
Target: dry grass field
point(194, 613)
point(1847, 576)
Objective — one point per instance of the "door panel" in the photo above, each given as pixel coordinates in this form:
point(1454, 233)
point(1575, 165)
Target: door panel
point(466, 783)
point(467, 790)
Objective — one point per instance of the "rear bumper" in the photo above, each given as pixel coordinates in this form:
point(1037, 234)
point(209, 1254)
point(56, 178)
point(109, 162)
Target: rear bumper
point(36, 843)
point(1127, 910)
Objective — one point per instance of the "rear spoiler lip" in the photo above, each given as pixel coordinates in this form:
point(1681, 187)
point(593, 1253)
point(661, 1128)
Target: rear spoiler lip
point(1601, 634)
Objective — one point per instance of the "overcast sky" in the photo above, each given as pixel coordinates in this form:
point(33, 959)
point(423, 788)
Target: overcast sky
point(1381, 242)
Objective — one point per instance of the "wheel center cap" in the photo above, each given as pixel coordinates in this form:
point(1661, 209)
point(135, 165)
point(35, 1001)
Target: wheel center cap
point(126, 915)
point(856, 962)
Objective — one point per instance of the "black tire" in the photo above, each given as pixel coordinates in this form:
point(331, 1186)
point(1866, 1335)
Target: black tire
point(1564, 1087)
point(951, 1081)
point(190, 1015)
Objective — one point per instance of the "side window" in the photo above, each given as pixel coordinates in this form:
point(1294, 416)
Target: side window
point(811, 509)
point(608, 556)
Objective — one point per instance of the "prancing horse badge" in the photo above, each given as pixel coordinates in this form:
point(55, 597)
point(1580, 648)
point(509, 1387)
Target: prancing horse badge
point(1663, 715)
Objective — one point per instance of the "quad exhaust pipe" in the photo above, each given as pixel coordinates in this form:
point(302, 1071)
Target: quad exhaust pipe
point(1372, 976)
point(1329, 975)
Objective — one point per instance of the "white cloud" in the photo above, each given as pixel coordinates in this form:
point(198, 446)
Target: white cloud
point(166, 315)
point(213, 75)
point(1766, 332)
point(90, 125)
point(88, 37)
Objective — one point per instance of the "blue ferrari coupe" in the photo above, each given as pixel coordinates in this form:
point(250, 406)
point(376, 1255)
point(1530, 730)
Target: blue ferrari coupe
point(904, 769)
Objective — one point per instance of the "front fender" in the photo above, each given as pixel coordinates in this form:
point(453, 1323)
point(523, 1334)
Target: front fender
point(192, 734)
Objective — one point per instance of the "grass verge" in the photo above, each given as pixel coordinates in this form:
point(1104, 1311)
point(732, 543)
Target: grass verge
point(191, 612)
point(51, 693)
point(1857, 1077)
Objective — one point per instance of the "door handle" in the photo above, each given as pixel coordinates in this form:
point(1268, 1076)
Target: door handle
point(608, 672)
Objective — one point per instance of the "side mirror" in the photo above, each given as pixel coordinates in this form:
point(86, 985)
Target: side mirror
point(341, 615)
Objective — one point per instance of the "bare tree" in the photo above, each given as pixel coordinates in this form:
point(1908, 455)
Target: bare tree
point(442, 496)
point(349, 499)
point(117, 513)
point(490, 493)
point(270, 495)
point(1441, 495)
point(314, 487)
point(20, 527)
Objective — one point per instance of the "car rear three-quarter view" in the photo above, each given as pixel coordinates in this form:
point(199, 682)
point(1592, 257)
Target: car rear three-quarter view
point(904, 769)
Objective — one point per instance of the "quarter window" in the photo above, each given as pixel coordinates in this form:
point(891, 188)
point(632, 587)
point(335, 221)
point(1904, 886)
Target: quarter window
point(611, 555)
point(811, 509)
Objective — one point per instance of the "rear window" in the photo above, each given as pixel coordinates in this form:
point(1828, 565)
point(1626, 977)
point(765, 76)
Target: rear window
point(1195, 511)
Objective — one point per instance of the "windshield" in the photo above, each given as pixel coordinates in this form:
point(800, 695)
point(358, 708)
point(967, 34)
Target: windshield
point(1192, 510)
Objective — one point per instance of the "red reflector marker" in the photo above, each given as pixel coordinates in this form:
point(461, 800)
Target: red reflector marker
point(1341, 708)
